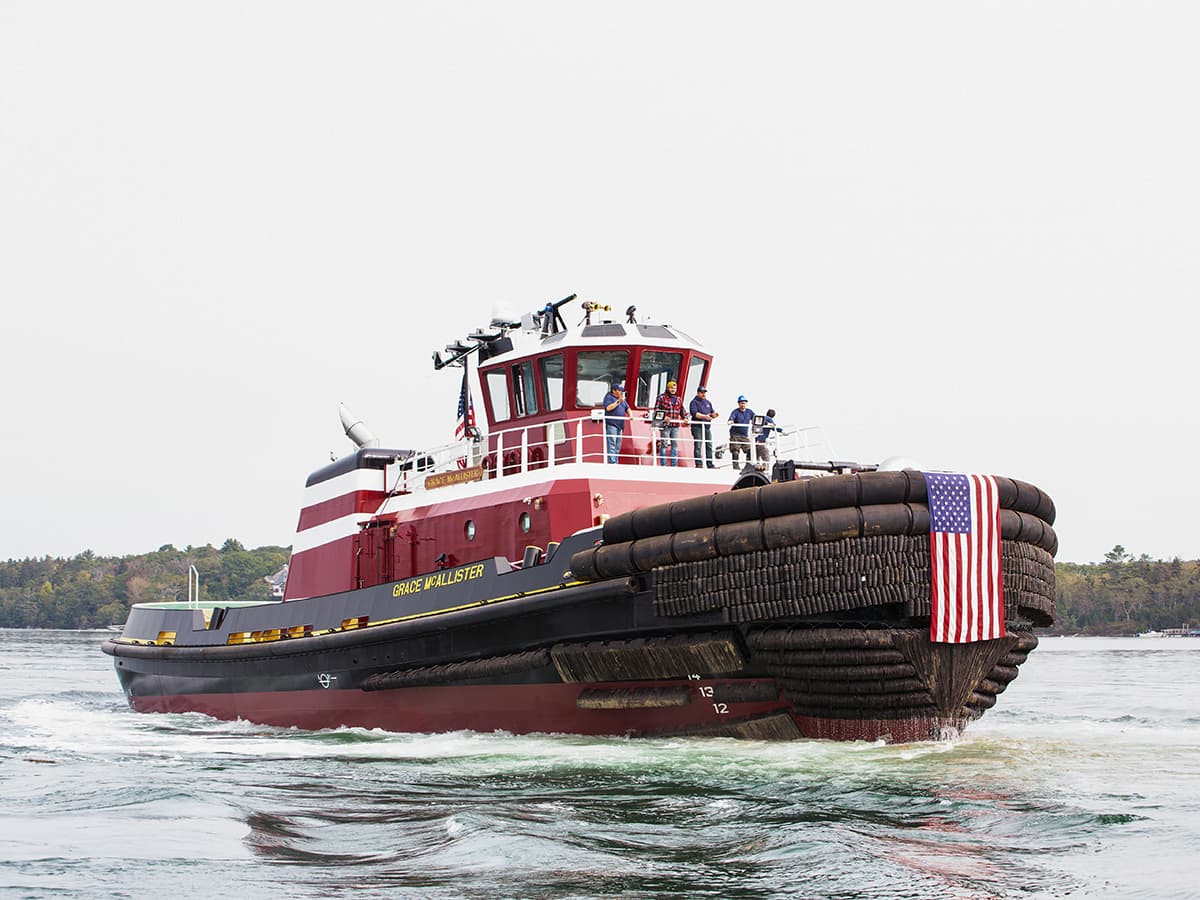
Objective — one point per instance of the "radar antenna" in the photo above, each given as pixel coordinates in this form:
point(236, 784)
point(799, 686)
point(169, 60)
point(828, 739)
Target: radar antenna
point(548, 319)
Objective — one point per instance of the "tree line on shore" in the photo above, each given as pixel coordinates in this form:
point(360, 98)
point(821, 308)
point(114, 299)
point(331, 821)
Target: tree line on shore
point(90, 591)
point(1126, 595)
point(1122, 595)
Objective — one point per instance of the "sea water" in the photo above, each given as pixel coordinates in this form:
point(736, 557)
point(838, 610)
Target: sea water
point(1084, 780)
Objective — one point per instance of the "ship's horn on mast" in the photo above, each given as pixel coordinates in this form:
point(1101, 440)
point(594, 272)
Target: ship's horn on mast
point(355, 429)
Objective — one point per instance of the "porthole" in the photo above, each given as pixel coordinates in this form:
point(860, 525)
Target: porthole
point(525, 521)
point(469, 529)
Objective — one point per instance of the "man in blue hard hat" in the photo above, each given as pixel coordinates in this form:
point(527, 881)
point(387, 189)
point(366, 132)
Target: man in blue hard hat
point(739, 430)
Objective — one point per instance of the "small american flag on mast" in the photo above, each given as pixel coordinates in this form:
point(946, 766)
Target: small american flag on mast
point(964, 548)
point(466, 416)
point(466, 410)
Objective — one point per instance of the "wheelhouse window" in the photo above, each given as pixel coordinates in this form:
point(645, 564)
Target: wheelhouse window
point(524, 392)
point(657, 368)
point(551, 370)
point(697, 373)
point(596, 372)
point(497, 386)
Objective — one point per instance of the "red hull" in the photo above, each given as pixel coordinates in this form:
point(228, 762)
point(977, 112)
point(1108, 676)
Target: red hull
point(523, 709)
point(516, 708)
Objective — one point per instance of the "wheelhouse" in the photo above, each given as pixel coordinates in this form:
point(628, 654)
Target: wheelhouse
point(546, 393)
point(571, 372)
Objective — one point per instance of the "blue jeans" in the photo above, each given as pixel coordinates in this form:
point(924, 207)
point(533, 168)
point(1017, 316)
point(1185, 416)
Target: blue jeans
point(667, 442)
point(612, 439)
point(702, 445)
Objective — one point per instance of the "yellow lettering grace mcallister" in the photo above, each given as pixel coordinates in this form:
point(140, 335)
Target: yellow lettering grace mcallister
point(436, 580)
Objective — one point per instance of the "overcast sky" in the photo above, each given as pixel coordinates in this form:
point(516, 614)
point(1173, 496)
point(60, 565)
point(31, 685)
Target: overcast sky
point(962, 233)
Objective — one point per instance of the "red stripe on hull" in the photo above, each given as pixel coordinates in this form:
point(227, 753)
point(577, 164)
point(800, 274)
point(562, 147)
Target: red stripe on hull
point(336, 508)
point(520, 709)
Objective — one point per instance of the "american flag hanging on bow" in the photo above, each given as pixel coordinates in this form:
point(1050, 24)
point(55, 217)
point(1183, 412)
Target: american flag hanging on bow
point(964, 547)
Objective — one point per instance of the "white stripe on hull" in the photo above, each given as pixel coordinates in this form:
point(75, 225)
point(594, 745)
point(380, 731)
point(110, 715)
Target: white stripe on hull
point(328, 531)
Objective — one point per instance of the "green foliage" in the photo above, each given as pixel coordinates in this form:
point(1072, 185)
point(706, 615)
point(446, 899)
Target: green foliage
point(1121, 595)
point(89, 591)
point(1125, 595)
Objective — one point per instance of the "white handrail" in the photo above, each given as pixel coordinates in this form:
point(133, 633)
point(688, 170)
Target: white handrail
point(789, 442)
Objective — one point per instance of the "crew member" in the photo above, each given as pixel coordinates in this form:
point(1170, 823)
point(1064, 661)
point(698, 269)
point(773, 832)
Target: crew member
point(762, 446)
point(670, 403)
point(702, 415)
point(616, 412)
point(739, 430)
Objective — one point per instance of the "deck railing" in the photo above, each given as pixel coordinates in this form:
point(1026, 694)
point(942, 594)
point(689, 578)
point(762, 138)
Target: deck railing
point(580, 439)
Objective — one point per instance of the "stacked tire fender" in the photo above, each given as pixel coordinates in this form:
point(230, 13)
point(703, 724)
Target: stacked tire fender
point(816, 546)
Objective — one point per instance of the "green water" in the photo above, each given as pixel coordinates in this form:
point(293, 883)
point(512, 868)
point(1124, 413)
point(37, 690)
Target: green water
point(1083, 781)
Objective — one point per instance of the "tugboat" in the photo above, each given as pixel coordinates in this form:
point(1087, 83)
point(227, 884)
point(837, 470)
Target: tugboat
point(539, 575)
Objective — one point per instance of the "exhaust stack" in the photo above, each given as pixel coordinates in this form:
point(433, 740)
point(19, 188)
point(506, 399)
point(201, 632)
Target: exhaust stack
point(355, 429)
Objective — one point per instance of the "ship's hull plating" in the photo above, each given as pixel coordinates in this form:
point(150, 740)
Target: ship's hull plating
point(763, 623)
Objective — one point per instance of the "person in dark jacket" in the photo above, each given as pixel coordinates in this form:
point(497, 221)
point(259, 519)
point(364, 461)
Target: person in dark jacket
point(762, 447)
